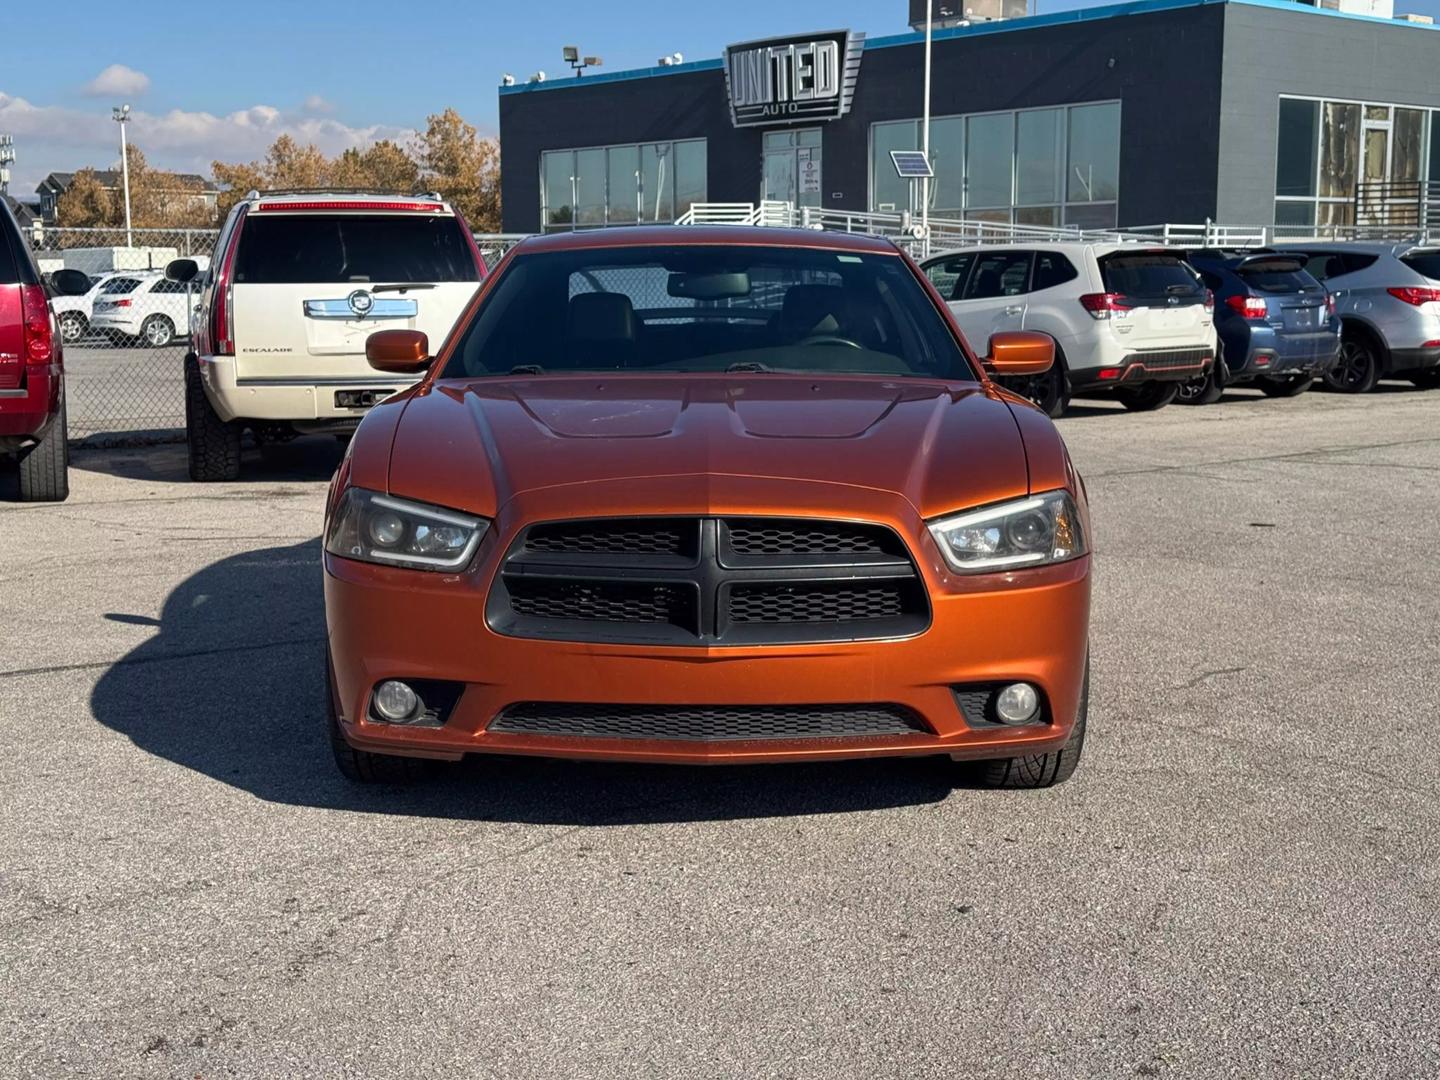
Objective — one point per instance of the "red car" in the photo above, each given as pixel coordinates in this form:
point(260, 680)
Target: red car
point(32, 389)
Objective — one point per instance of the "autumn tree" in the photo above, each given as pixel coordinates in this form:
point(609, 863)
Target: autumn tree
point(85, 204)
point(158, 199)
point(463, 167)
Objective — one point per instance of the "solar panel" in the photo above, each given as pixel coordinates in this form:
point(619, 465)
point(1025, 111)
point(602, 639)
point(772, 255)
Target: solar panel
point(911, 164)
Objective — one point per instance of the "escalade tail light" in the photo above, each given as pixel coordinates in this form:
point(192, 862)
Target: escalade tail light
point(402, 206)
point(1413, 295)
point(222, 314)
point(1103, 305)
point(38, 342)
point(1248, 307)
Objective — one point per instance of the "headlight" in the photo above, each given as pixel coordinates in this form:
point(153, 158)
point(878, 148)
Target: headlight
point(378, 528)
point(1025, 532)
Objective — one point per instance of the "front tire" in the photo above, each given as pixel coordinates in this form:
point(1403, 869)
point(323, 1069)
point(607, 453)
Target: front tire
point(72, 327)
point(1148, 397)
point(1050, 391)
point(213, 444)
point(1283, 388)
point(1358, 368)
point(362, 766)
point(1042, 770)
point(45, 467)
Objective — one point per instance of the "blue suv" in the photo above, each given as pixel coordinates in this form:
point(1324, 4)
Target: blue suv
point(1276, 324)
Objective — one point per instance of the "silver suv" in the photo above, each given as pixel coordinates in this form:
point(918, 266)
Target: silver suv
point(1388, 298)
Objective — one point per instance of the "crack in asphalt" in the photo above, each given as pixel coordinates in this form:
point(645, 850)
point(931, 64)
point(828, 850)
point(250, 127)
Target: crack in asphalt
point(179, 654)
point(1300, 456)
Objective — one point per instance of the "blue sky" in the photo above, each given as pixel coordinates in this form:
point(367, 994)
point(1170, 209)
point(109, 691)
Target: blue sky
point(209, 81)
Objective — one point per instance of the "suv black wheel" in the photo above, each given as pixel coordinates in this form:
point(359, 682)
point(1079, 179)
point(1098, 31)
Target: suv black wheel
point(1274, 386)
point(1427, 380)
point(1149, 396)
point(1358, 368)
point(1041, 770)
point(361, 766)
point(213, 444)
point(1050, 391)
point(45, 467)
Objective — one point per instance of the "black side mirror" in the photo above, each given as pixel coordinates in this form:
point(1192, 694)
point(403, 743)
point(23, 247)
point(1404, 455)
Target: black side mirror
point(182, 270)
point(70, 282)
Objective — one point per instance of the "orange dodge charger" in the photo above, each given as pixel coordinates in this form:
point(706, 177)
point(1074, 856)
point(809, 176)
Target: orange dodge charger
point(708, 495)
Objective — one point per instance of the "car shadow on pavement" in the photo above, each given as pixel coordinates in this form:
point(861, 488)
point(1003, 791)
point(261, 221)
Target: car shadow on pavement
point(232, 686)
point(312, 458)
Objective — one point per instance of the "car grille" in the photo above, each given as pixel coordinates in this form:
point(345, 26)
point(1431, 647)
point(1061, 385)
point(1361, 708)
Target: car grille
point(708, 581)
point(708, 723)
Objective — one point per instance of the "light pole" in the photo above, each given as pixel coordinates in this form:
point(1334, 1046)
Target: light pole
point(121, 115)
point(925, 130)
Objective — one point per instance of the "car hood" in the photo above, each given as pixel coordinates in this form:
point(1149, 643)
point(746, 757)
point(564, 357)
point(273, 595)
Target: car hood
point(473, 446)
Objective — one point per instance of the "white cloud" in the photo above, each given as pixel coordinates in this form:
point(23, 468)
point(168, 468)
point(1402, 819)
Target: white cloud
point(118, 80)
point(58, 138)
point(317, 104)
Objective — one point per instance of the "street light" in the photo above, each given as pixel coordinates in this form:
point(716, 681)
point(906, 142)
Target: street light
point(571, 55)
point(121, 115)
point(925, 130)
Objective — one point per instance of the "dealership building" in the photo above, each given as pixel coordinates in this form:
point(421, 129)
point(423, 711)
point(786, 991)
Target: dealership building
point(1241, 111)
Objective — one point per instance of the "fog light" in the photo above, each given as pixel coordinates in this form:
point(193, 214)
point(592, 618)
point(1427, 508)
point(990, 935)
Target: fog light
point(395, 701)
point(1017, 703)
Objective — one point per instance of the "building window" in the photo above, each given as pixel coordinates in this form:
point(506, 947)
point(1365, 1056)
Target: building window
point(621, 185)
point(1334, 156)
point(1043, 167)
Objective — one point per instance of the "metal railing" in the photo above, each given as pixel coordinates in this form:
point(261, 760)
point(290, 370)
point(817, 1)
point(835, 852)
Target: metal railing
point(1398, 204)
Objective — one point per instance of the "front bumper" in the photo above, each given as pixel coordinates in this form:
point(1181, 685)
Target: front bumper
point(391, 623)
point(291, 397)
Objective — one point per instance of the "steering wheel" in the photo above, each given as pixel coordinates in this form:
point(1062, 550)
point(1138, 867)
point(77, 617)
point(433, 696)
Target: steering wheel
point(830, 339)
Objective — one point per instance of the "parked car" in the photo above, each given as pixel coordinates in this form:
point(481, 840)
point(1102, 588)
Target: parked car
point(1388, 298)
point(73, 312)
point(297, 284)
point(1277, 325)
point(32, 369)
point(695, 495)
point(141, 307)
point(1132, 319)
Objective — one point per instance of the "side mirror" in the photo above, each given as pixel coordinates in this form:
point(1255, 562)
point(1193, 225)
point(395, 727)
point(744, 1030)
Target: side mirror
point(182, 270)
point(70, 282)
point(1020, 352)
point(400, 352)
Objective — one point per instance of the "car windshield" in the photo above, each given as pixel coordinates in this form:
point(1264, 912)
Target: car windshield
point(1277, 276)
point(708, 309)
point(311, 249)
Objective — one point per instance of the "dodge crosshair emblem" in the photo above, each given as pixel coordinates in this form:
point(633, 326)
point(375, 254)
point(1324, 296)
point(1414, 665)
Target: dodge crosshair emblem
point(360, 302)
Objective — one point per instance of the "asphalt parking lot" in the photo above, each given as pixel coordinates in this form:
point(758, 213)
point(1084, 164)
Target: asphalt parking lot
point(115, 390)
point(1242, 880)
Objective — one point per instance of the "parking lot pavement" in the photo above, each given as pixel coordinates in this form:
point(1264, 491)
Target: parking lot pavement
point(1240, 881)
point(115, 390)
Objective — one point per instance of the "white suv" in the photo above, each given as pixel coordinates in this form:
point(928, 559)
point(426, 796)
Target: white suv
point(297, 282)
point(1132, 319)
point(141, 308)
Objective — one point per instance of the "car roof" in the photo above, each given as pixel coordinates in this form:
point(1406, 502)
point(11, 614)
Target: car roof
point(1364, 247)
point(694, 235)
point(341, 200)
point(1067, 247)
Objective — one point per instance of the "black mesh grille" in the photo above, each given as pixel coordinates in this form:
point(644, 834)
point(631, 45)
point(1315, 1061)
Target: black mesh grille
point(758, 536)
point(710, 723)
point(603, 602)
point(620, 537)
point(770, 603)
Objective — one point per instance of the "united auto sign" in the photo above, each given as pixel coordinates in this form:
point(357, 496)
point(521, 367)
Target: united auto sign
point(793, 80)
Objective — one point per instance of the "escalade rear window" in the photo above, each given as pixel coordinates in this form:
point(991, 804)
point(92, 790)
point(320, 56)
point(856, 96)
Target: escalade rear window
point(1424, 262)
point(693, 308)
point(295, 249)
point(1150, 277)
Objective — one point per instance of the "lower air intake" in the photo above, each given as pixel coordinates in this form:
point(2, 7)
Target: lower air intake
point(707, 723)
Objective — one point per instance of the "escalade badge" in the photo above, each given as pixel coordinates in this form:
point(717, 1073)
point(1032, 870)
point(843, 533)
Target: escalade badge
point(360, 302)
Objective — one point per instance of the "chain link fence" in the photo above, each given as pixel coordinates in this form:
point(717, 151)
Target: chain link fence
point(126, 339)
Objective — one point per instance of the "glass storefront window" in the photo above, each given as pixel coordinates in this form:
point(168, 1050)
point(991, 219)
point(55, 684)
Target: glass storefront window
point(1409, 141)
point(1038, 215)
point(989, 156)
point(1339, 150)
point(947, 156)
point(1295, 149)
point(1295, 213)
point(1039, 156)
point(620, 185)
point(888, 191)
point(1094, 216)
point(1094, 153)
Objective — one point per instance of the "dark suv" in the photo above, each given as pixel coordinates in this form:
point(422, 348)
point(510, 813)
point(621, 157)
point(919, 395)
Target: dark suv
point(32, 391)
point(1277, 324)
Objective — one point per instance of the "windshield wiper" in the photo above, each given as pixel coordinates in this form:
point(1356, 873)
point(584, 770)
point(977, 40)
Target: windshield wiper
point(526, 369)
point(404, 287)
point(749, 365)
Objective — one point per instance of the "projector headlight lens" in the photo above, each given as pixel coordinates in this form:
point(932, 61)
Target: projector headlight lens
point(380, 528)
point(1034, 531)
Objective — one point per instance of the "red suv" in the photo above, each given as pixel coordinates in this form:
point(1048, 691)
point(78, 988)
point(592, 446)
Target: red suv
point(32, 389)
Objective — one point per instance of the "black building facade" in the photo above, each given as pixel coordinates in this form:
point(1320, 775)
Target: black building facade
point(1246, 111)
